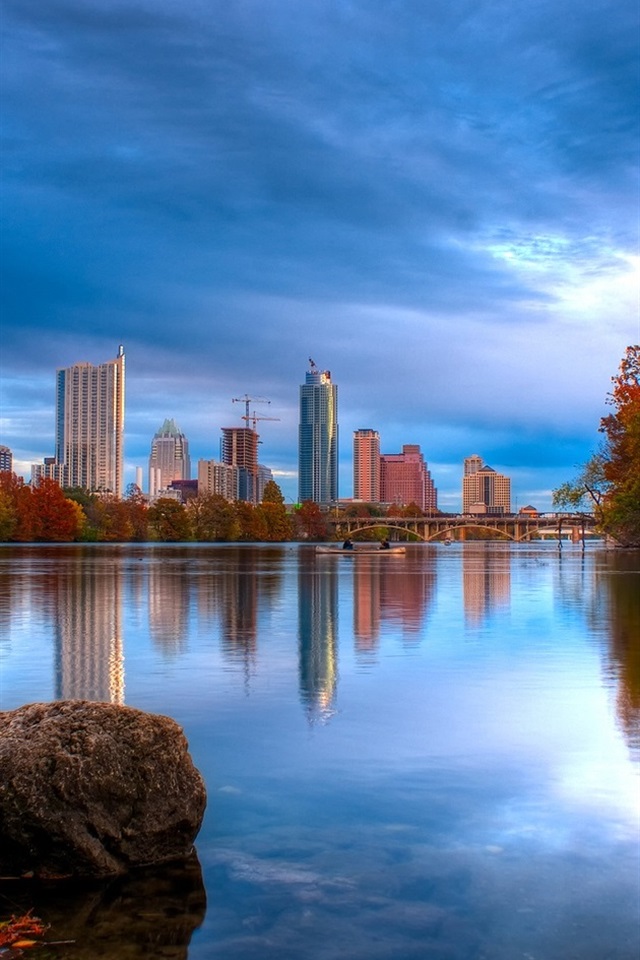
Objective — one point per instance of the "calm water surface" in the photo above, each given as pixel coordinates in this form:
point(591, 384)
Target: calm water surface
point(431, 756)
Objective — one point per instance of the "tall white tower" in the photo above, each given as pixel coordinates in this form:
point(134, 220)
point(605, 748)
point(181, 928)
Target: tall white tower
point(90, 425)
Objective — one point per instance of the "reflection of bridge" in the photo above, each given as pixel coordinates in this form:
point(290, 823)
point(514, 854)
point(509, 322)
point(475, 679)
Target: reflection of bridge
point(454, 527)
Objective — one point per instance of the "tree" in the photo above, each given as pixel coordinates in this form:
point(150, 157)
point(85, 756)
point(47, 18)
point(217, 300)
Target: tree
point(311, 521)
point(250, 525)
point(136, 506)
point(8, 517)
point(18, 508)
point(272, 493)
point(278, 526)
point(56, 518)
point(273, 514)
point(609, 482)
point(212, 517)
point(621, 467)
point(169, 520)
point(93, 528)
point(587, 492)
point(117, 526)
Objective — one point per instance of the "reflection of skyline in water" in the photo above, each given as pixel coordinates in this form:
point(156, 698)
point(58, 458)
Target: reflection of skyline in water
point(89, 655)
point(226, 595)
point(318, 639)
point(394, 596)
point(486, 580)
point(467, 798)
point(169, 599)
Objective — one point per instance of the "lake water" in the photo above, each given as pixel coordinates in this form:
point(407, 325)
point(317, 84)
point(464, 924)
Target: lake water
point(430, 756)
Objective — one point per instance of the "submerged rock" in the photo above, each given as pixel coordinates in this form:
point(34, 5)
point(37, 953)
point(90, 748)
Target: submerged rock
point(93, 789)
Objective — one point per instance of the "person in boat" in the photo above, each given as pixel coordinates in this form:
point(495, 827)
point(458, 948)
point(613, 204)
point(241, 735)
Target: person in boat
point(385, 545)
point(347, 545)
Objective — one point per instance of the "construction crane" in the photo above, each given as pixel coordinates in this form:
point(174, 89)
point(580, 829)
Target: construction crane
point(247, 400)
point(254, 419)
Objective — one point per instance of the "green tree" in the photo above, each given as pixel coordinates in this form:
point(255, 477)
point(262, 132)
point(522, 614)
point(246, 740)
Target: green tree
point(586, 493)
point(212, 518)
point(277, 523)
point(273, 514)
point(8, 517)
point(169, 521)
point(272, 493)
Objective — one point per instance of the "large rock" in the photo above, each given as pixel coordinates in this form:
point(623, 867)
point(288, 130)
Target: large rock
point(93, 789)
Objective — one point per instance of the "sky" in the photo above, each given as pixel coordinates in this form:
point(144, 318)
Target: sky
point(437, 201)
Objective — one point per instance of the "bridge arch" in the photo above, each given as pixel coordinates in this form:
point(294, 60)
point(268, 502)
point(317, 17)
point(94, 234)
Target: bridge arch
point(379, 523)
point(406, 527)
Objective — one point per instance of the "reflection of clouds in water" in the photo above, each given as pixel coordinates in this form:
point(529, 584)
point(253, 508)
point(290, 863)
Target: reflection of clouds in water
point(605, 783)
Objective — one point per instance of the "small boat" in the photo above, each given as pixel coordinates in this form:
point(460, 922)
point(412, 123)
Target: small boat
point(364, 548)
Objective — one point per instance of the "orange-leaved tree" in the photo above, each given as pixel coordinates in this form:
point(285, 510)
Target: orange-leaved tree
point(621, 461)
point(609, 483)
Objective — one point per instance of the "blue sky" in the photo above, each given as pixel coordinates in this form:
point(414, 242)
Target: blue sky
point(437, 201)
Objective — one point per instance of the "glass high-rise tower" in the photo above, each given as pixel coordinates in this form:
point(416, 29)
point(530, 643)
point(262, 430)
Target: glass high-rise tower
point(318, 438)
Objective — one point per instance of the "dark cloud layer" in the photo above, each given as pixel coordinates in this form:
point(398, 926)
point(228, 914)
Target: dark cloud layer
point(437, 201)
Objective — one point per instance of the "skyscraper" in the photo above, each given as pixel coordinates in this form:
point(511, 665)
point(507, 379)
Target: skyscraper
point(169, 459)
point(484, 490)
point(405, 479)
point(240, 449)
point(366, 465)
point(318, 438)
point(89, 427)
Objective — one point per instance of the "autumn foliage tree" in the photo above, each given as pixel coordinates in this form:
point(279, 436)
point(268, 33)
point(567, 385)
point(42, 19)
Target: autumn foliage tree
point(622, 453)
point(169, 521)
point(610, 481)
point(310, 521)
point(38, 513)
point(272, 510)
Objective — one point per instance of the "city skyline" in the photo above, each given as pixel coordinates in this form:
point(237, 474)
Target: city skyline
point(438, 202)
point(93, 396)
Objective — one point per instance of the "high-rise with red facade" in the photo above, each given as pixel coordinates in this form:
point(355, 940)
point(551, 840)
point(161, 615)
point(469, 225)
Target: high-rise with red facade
point(405, 479)
point(366, 465)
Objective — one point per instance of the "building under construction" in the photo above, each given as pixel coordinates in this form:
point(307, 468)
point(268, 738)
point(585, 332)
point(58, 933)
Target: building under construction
point(240, 449)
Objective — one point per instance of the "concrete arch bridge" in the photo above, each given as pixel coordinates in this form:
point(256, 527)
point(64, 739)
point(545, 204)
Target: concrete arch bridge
point(515, 527)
